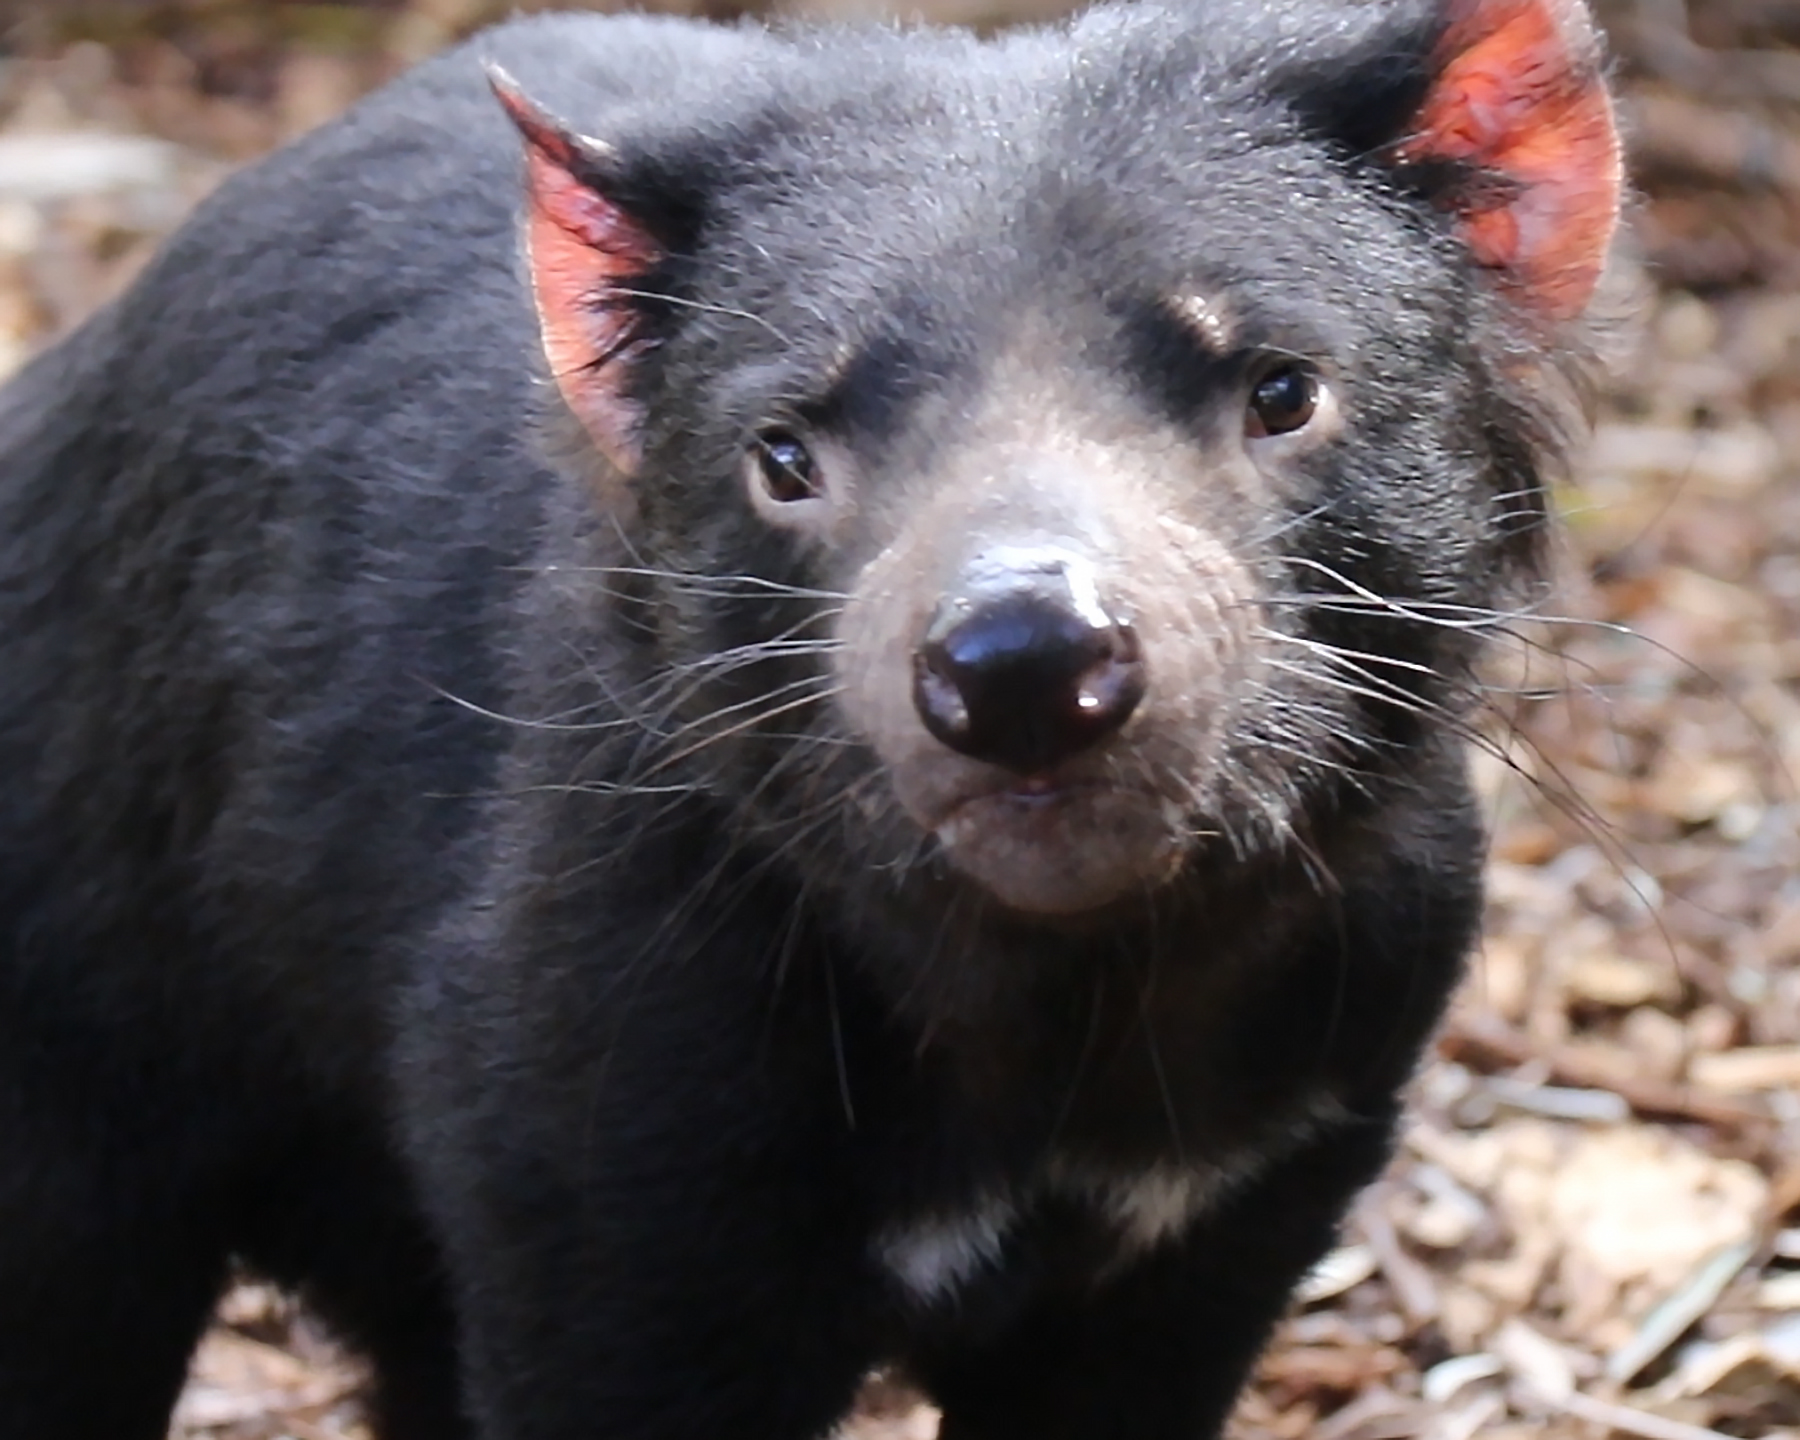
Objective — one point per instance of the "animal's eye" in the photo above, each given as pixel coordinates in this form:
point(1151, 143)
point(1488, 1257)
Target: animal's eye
point(783, 466)
point(1284, 399)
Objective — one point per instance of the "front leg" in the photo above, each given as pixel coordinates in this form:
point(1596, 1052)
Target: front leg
point(639, 1187)
point(1161, 1350)
point(672, 1319)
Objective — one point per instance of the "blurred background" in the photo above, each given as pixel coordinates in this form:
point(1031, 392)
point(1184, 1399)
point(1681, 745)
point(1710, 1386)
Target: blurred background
point(1594, 1225)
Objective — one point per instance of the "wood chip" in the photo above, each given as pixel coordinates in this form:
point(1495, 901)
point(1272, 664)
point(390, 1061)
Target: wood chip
point(1766, 1067)
point(1669, 1321)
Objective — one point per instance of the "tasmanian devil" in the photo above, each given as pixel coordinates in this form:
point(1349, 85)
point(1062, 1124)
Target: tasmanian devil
point(686, 709)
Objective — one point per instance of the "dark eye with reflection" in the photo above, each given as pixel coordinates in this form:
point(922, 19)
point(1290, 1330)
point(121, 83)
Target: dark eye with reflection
point(785, 468)
point(1283, 400)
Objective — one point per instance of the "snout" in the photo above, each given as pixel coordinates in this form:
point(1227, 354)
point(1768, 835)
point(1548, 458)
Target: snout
point(1024, 665)
point(1048, 676)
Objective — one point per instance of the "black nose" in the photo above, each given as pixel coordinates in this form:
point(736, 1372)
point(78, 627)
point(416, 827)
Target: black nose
point(1024, 669)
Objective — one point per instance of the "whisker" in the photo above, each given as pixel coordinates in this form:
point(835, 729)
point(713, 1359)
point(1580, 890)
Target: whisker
point(740, 726)
point(682, 302)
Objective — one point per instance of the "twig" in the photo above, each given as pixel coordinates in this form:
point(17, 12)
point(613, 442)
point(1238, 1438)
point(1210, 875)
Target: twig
point(1484, 1042)
point(1632, 1421)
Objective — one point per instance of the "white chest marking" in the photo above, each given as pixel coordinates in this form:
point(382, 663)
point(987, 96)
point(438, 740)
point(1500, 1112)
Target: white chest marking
point(1159, 1204)
point(932, 1258)
point(1148, 1207)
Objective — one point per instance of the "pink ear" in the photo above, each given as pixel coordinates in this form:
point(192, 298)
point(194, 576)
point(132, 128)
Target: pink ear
point(584, 254)
point(1519, 94)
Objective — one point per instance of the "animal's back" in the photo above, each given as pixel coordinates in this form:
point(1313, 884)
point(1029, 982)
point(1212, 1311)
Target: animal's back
point(258, 520)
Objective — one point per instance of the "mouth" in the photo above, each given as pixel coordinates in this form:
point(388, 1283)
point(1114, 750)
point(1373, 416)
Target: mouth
point(1030, 791)
point(1060, 845)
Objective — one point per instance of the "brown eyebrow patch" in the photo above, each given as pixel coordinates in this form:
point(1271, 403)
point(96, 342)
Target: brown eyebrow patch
point(837, 370)
point(1204, 319)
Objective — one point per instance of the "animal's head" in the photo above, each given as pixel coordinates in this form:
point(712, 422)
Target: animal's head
point(1049, 462)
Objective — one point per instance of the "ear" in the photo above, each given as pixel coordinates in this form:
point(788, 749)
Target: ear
point(1517, 106)
point(586, 253)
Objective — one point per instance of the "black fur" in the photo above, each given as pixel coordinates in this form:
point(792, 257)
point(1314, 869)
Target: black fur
point(368, 914)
